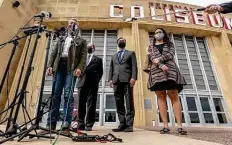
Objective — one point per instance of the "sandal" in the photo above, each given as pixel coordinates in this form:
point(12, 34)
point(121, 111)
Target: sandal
point(165, 131)
point(181, 131)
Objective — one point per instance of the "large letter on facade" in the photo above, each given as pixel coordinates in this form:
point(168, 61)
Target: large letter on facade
point(153, 17)
point(181, 16)
point(167, 14)
point(227, 23)
point(215, 21)
point(198, 18)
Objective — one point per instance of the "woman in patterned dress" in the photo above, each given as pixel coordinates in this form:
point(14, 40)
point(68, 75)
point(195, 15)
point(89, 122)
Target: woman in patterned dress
point(165, 78)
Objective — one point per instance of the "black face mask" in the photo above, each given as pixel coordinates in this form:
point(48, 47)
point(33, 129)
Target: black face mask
point(90, 50)
point(121, 44)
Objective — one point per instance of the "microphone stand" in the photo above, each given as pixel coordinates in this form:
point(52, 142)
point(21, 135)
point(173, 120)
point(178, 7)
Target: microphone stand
point(40, 113)
point(13, 131)
point(15, 44)
point(24, 87)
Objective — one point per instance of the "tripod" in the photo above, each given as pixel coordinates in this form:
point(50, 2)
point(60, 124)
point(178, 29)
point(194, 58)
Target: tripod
point(15, 42)
point(23, 90)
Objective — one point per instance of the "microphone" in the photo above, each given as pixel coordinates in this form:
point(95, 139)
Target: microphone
point(34, 30)
point(201, 9)
point(63, 29)
point(44, 14)
point(32, 27)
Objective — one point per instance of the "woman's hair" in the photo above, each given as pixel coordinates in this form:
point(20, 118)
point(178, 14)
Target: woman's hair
point(165, 39)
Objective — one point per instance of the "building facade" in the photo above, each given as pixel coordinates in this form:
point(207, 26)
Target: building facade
point(203, 54)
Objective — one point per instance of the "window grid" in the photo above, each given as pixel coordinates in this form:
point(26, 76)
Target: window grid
point(205, 78)
point(213, 68)
point(185, 117)
point(195, 63)
point(182, 61)
point(98, 39)
point(196, 95)
point(176, 58)
point(204, 57)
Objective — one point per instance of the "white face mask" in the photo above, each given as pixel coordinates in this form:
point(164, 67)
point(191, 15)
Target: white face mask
point(159, 36)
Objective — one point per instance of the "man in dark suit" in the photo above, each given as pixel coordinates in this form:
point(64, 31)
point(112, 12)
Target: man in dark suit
point(222, 8)
point(67, 58)
point(88, 90)
point(122, 77)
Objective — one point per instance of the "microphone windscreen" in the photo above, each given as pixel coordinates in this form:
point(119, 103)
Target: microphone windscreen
point(201, 9)
point(62, 29)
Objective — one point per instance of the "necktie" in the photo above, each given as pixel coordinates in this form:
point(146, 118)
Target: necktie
point(88, 59)
point(120, 56)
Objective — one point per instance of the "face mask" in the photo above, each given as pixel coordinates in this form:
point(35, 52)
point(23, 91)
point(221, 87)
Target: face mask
point(90, 50)
point(74, 29)
point(121, 44)
point(159, 36)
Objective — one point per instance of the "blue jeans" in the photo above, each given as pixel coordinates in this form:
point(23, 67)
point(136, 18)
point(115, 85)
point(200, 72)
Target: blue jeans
point(62, 80)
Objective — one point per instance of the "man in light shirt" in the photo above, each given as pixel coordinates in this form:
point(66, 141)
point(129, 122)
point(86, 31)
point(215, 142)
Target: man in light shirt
point(67, 61)
point(88, 89)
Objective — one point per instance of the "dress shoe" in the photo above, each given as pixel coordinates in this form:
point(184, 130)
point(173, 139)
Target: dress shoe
point(81, 127)
point(129, 129)
point(88, 129)
point(119, 129)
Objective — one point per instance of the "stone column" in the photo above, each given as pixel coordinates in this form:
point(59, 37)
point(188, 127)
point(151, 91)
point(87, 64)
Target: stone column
point(138, 89)
point(221, 53)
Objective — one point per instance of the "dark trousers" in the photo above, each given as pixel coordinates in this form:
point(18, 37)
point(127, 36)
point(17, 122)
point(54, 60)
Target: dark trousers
point(62, 80)
point(87, 96)
point(123, 94)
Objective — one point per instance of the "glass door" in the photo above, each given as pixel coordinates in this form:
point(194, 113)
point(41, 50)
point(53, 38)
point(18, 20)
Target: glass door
point(110, 115)
point(207, 111)
point(192, 110)
point(222, 116)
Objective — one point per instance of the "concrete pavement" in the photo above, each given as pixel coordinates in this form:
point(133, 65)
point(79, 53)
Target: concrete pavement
point(138, 137)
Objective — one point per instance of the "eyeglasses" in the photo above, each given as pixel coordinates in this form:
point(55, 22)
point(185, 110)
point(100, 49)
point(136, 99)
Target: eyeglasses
point(158, 32)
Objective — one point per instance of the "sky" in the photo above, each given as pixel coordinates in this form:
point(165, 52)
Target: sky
point(201, 2)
